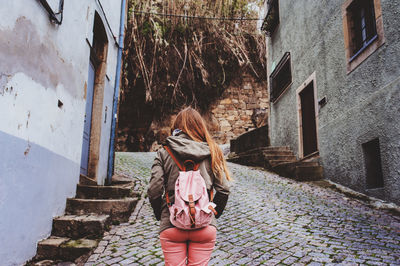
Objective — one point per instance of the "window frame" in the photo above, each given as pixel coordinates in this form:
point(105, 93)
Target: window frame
point(286, 59)
point(355, 58)
point(270, 24)
point(366, 34)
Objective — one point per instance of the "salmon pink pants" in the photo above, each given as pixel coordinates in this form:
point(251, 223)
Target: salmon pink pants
point(182, 247)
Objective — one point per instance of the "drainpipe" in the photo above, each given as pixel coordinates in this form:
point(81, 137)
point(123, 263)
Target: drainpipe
point(110, 170)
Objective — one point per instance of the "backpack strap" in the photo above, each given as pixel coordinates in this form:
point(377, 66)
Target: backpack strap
point(180, 166)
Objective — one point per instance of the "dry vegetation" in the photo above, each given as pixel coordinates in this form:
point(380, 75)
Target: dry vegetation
point(171, 62)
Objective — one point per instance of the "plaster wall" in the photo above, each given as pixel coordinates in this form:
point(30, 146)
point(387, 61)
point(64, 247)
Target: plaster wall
point(361, 105)
point(41, 143)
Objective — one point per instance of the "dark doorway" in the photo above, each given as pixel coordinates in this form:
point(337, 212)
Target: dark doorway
point(373, 165)
point(309, 128)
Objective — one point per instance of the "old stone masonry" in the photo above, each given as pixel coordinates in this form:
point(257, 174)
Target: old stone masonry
point(268, 220)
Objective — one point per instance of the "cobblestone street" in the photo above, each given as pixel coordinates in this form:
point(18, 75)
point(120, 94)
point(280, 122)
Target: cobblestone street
point(268, 220)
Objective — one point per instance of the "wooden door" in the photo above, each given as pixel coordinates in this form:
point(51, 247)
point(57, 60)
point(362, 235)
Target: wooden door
point(88, 120)
point(309, 126)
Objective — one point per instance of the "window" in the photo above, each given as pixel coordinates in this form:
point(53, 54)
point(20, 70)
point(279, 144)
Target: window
point(271, 20)
point(281, 77)
point(363, 30)
point(373, 165)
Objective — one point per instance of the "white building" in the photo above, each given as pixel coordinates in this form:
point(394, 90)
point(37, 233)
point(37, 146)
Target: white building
point(53, 74)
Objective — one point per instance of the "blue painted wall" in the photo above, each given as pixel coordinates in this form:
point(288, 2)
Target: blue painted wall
point(34, 184)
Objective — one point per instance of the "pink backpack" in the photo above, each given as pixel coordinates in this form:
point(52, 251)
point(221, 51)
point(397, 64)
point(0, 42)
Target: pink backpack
point(192, 208)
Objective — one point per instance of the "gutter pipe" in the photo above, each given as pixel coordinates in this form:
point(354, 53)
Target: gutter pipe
point(110, 170)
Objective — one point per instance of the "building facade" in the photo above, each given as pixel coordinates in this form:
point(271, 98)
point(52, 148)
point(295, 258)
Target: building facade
point(57, 78)
point(334, 69)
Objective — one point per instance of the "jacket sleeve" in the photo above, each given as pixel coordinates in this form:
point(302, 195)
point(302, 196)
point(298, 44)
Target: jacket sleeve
point(156, 186)
point(221, 196)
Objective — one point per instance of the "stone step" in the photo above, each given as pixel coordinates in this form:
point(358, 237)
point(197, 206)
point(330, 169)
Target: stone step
point(308, 169)
point(84, 180)
point(79, 226)
point(278, 153)
point(268, 150)
point(249, 160)
point(61, 248)
point(274, 163)
point(309, 173)
point(118, 209)
point(50, 248)
point(311, 163)
point(288, 169)
point(276, 148)
point(274, 157)
point(102, 192)
point(293, 164)
point(121, 180)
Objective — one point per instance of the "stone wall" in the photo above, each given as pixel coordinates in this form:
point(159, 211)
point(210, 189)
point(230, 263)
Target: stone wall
point(253, 139)
point(242, 107)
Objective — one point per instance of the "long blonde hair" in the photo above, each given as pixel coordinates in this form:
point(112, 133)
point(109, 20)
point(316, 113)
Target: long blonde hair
point(190, 122)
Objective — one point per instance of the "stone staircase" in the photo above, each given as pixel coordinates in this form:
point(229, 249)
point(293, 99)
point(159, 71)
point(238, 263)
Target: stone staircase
point(263, 156)
point(280, 160)
point(87, 217)
point(300, 170)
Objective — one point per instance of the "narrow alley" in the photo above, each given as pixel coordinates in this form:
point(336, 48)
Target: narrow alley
point(268, 220)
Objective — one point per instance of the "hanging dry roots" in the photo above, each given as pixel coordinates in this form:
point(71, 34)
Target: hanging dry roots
point(177, 61)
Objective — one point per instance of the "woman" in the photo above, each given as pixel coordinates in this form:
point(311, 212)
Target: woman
point(190, 141)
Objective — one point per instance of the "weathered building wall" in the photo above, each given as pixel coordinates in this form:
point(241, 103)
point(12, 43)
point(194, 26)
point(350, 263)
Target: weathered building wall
point(239, 106)
point(41, 143)
point(361, 105)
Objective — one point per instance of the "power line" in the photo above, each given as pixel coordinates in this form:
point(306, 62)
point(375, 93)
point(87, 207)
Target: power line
point(196, 17)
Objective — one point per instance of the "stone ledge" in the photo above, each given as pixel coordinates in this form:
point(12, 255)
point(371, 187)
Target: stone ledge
point(370, 201)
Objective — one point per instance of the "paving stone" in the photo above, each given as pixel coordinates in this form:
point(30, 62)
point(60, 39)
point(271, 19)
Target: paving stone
point(244, 261)
point(268, 220)
point(126, 262)
point(113, 260)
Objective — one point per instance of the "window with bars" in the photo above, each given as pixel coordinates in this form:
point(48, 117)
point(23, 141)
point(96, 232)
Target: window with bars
point(281, 77)
point(362, 25)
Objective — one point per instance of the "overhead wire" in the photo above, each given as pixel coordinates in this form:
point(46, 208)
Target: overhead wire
point(194, 17)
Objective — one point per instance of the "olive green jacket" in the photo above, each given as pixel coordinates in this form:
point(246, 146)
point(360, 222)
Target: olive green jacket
point(164, 172)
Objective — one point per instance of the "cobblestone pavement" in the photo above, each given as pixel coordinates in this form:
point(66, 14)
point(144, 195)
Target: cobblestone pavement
point(268, 220)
